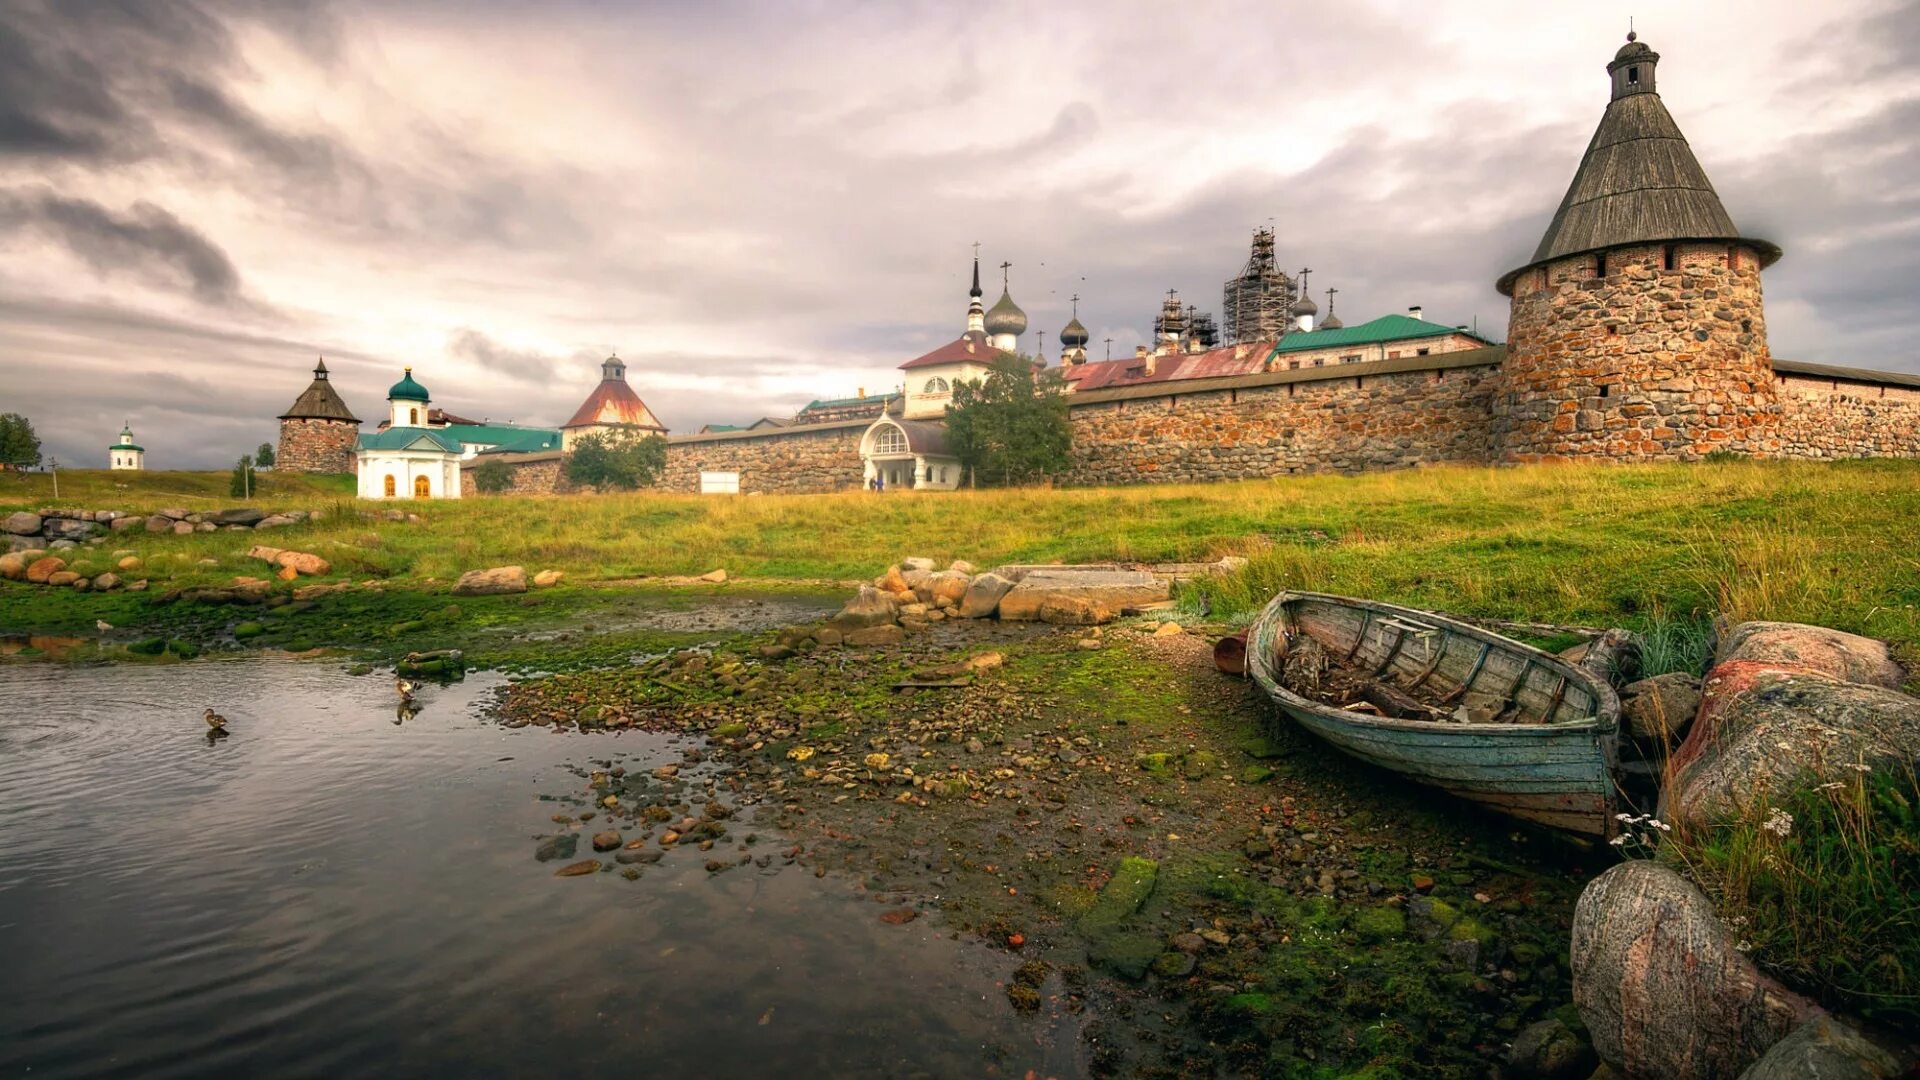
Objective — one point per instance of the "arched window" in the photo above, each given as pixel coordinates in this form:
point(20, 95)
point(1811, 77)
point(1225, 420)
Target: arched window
point(413, 417)
point(421, 489)
point(937, 385)
point(890, 440)
point(390, 486)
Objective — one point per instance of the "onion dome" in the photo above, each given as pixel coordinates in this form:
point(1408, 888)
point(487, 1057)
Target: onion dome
point(1075, 336)
point(1005, 317)
point(1331, 322)
point(406, 389)
point(1306, 306)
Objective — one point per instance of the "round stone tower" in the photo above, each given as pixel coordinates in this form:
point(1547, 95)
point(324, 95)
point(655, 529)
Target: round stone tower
point(1637, 331)
point(317, 433)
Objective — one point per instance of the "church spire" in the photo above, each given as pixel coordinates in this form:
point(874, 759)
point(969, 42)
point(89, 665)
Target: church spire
point(976, 313)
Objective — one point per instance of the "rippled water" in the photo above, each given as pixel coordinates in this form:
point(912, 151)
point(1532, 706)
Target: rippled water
point(328, 893)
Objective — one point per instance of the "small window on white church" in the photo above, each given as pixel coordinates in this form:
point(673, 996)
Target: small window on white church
point(937, 385)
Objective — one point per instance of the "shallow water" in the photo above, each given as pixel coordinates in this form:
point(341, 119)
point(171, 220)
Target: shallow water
point(327, 892)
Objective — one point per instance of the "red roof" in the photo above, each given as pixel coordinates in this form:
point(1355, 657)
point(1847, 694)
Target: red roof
point(614, 402)
point(1243, 359)
point(970, 346)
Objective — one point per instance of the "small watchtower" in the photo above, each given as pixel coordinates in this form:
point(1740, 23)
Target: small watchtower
point(317, 432)
point(1637, 330)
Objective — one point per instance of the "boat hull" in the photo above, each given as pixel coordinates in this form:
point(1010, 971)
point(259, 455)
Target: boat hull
point(1559, 774)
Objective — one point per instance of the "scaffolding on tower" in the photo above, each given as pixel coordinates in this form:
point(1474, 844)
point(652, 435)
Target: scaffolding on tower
point(1257, 305)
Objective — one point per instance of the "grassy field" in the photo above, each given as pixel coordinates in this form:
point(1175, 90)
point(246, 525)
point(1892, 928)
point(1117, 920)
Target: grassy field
point(102, 489)
point(1837, 544)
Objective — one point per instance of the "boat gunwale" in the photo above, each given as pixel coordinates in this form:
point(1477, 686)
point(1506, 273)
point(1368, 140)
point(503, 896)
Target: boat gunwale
point(1605, 721)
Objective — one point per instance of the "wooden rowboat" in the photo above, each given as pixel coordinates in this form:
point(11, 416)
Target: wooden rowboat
point(1450, 705)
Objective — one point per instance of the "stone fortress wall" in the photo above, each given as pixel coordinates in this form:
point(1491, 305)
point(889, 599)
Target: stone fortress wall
point(796, 460)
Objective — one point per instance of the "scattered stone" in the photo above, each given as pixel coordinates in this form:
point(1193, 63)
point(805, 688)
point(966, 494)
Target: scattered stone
point(983, 596)
point(1550, 1050)
point(1071, 611)
point(869, 608)
point(273, 521)
point(876, 635)
point(557, 847)
point(106, 581)
point(13, 566)
point(916, 562)
point(499, 580)
point(22, 524)
point(546, 578)
point(1660, 985)
point(606, 841)
point(899, 916)
point(1111, 589)
point(984, 661)
point(715, 576)
point(1662, 707)
point(579, 869)
point(1168, 629)
point(240, 515)
point(1827, 1049)
point(131, 562)
point(948, 588)
point(45, 567)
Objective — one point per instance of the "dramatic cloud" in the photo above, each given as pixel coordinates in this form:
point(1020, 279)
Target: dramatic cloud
point(759, 204)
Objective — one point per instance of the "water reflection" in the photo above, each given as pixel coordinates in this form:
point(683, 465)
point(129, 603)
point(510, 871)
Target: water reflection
point(345, 885)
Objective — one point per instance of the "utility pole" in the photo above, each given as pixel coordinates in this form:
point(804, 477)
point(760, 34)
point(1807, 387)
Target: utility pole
point(53, 466)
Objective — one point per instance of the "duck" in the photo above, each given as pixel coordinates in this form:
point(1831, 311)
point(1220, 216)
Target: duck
point(102, 625)
point(405, 688)
point(215, 721)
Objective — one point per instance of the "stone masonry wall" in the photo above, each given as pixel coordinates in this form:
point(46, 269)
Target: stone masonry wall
point(1821, 418)
point(316, 446)
point(541, 475)
point(1348, 424)
point(794, 461)
point(1641, 363)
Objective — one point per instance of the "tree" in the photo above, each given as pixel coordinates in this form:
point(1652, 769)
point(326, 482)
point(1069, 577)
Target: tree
point(241, 486)
point(1011, 427)
point(493, 476)
point(617, 459)
point(263, 457)
point(19, 446)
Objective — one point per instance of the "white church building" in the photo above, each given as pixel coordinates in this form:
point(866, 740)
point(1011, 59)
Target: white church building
point(408, 459)
point(910, 450)
point(124, 454)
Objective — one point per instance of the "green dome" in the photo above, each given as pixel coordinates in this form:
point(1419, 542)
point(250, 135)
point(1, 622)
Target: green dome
point(406, 389)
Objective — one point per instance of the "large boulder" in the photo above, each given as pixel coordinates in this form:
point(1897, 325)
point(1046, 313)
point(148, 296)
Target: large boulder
point(1827, 1049)
point(1662, 988)
point(1074, 611)
point(1550, 1050)
point(887, 634)
point(983, 596)
point(123, 523)
point(1765, 732)
point(500, 579)
point(870, 607)
point(1115, 589)
point(273, 521)
point(13, 566)
point(70, 529)
point(159, 523)
point(174, 514)
point(39, 570)
point(22, 524)
point(239, 515)
point(1660, 707)
point(1835, 653)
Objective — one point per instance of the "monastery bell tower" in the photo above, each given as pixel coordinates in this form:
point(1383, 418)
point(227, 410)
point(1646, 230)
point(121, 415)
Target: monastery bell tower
point(1637, 330)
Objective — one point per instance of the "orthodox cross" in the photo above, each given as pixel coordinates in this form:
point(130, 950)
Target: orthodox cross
point(1330, 291)
point(976, 251)
point(1076, 305)
point(1004, 267)
point(1109, 348)
point(1304, 271)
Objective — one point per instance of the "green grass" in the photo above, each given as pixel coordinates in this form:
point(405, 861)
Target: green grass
point(1641, 546)
point(103, 489)
point(1829, 898)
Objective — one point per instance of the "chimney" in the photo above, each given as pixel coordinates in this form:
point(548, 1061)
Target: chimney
point(1415, 312)
point(1140, 352)
point(863, 391)
point(1153, 360)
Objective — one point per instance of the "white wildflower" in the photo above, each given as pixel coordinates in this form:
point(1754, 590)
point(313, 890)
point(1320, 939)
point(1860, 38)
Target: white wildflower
point(1779, 822)
point(1619, 841)
point(1860, 767)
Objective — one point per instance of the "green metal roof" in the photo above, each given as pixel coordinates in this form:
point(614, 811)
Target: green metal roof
point(400, 438)
point(1383, 329)
point(713, 429)
point(510, 438)
point(127, 446)
point(406, 389)
point(834, 403)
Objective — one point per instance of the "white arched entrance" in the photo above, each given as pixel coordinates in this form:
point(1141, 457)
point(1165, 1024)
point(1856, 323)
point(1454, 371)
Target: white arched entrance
point(908, 454)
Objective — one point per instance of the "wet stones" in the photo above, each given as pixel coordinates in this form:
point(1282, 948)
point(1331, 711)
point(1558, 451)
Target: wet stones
point(606, 841)
point(579, 869)
point(561, 846)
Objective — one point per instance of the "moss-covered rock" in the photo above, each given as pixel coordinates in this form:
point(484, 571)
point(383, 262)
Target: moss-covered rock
point(247, 630)
point(1200, 765)
point(152, 646)
point(1376, 924)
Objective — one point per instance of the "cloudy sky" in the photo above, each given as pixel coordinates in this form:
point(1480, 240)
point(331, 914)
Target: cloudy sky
point(759, 204)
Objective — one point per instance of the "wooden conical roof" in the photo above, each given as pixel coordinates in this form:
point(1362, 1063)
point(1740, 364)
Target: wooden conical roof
point(319, 401)
point(1638, 183)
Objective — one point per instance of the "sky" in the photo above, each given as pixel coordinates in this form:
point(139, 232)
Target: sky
point(761, 204)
